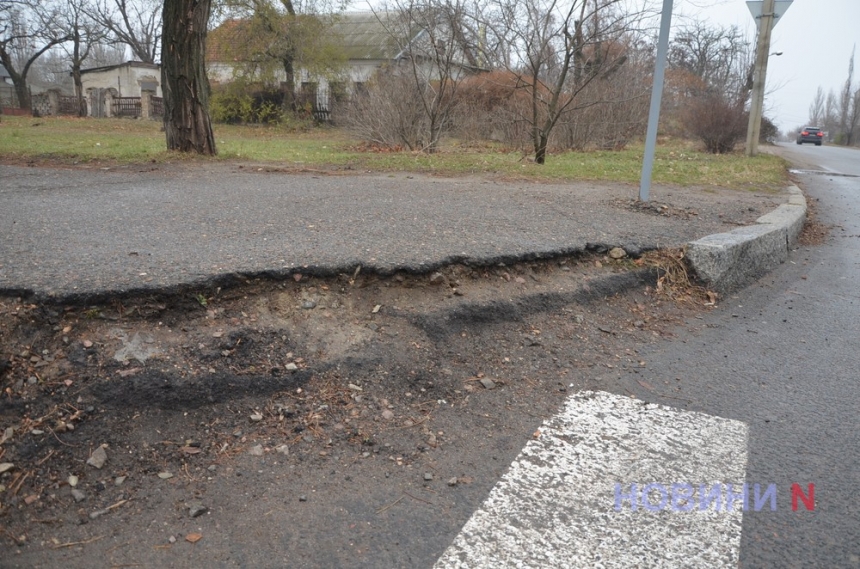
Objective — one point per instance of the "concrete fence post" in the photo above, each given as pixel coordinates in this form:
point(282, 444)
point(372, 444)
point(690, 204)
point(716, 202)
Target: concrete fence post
point(146, 105)
point(53, 102)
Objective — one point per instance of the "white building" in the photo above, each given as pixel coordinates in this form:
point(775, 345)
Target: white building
point(127, 79)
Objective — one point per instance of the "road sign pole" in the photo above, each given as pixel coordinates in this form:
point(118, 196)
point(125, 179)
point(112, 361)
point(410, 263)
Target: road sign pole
point(765, 27)
point(656, 99)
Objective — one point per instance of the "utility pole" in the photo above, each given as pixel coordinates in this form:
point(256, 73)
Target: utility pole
point(765, 26)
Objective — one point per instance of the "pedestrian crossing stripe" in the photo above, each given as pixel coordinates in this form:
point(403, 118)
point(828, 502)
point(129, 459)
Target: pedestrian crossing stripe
point(556, 504)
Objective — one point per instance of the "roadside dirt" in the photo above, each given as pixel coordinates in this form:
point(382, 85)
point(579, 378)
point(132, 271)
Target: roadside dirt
point(274, 404)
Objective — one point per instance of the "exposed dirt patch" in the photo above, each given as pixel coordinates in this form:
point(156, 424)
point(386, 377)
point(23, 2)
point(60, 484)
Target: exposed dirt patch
point(407, 376)
point(814, 232)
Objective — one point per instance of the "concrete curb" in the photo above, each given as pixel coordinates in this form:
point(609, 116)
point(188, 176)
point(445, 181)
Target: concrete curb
point(730, 261)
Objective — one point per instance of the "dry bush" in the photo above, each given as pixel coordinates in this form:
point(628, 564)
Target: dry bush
point(610, 112)
point(492, 106)
point(387, 112)
point(719, 122)
point(614, 112)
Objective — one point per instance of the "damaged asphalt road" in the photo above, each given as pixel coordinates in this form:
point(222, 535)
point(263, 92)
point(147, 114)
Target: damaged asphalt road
point(83, 234)
point(229, 368)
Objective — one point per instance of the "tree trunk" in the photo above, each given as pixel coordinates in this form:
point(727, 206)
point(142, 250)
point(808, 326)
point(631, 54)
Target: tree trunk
point(22, 92)
point(289, 87)
point(79, 89)
point(183, 76)
point(540, 149)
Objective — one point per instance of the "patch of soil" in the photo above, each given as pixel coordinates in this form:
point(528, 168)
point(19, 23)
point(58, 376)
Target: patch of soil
point(814, 232)
point(210, 397)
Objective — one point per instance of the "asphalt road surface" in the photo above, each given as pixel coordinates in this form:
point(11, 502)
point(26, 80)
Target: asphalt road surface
point(763, 390)
point(85, 232)
point(753, 462)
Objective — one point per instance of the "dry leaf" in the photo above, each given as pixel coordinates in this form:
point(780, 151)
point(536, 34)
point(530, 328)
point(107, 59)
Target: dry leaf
point(193, 537)
point(190, 450)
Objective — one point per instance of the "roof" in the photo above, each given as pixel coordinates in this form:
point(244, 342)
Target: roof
point(360, 36)
point(368, 35)
point(140, 64)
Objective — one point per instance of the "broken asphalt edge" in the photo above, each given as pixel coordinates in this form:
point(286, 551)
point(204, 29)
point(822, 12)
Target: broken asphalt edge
point(727, 262)
point(235, 279)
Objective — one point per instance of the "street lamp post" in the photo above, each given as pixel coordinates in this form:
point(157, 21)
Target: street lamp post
point(757, 99)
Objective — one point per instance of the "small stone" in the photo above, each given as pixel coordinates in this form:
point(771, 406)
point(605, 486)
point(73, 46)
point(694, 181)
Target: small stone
point(73, 480)
point(78, 495)
point(119, 480)
point(165, 475)
point(98, 458)
point(579, 318)
point(256, 417)
point(309, 304)
point(196, 509)
point(488, 383)
point(291, 367)
point(428, 476)
point(256, 450)
point(437, 278)
point(520, 280)
point(373, 326)
point(37, 432)
point(212, 468)
point(617, 253)
point(87, 344)
point(598, 264)
point(303, 498)
point(32, 380)
point(283, 449)
point(354, 387)
point(452, 481)
point(388, 414)
point(171, 539)
point(365, 454)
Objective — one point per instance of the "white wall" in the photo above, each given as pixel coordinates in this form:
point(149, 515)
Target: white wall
point(124, 79)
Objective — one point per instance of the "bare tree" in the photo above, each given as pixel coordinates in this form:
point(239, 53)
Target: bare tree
point(718, 57)
point(27, 30)
point(849, 113)
point(183, 76)
point(436, 50)
point(817, 108)
point(556, 49)
point(83, 34)
point(135, 23)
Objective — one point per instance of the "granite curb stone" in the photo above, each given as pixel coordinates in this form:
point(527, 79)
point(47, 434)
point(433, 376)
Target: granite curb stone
point(729, 261)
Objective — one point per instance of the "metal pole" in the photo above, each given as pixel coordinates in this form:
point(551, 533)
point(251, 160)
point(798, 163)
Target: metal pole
point(656, 99)
point(761, 58)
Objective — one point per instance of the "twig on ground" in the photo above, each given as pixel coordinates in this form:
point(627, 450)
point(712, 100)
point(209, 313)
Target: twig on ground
point(74, 543)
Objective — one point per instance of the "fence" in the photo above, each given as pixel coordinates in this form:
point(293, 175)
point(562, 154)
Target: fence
point(157, 108)
point(126, 107)
point(71, 106)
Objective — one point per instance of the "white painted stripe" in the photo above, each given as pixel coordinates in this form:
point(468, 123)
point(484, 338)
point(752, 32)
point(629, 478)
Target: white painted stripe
point(555, 507)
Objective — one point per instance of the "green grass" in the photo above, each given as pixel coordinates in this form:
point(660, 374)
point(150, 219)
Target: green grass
point(72, 140)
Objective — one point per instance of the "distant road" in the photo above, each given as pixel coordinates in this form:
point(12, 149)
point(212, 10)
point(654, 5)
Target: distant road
point(835, 159)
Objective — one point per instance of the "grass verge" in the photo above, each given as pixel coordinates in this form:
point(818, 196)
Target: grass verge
point(73, 140)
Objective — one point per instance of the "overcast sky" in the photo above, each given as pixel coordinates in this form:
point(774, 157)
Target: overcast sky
point(816, 38)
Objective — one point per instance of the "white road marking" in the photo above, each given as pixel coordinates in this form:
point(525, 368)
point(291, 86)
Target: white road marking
point(556, 505)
